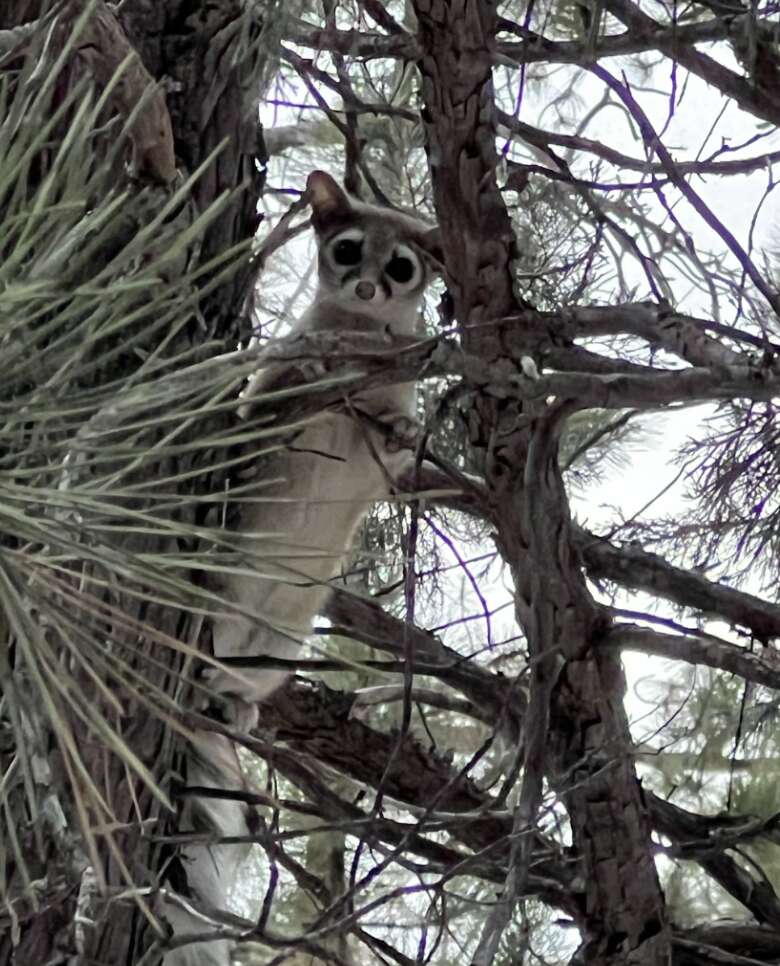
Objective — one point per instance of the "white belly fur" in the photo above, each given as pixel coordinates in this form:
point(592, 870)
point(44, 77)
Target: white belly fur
point(329, 479)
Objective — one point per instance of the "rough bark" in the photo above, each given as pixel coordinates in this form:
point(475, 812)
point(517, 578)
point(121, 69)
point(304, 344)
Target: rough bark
point(317, 726)
point(576, 732)
point(212, 51)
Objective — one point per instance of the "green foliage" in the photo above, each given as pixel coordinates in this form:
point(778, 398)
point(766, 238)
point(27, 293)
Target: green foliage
point(103, 391)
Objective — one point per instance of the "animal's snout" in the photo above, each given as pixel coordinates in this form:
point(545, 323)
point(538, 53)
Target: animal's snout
point(365, 290)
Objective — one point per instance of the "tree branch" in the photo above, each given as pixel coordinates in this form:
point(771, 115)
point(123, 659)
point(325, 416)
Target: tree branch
point(757, 668)
point(633, 567)
point(675, 42)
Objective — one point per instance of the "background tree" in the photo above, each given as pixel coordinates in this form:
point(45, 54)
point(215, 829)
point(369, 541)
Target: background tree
point(462, 784)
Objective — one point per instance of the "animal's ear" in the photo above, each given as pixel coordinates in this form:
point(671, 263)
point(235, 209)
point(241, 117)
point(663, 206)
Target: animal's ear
point(329, 202)
point(431, 244)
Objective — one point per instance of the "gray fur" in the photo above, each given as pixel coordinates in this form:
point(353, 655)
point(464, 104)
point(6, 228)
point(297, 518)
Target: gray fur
point(301, 530)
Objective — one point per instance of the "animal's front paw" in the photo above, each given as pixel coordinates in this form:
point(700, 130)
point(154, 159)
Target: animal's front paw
point(405, 432)
point(312, 370)
point(276, 377)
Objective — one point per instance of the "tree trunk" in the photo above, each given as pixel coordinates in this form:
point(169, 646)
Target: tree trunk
point(212, 60)
point(576, 733)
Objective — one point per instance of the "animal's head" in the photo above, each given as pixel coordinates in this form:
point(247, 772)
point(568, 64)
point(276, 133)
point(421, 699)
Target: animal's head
point(376, 260)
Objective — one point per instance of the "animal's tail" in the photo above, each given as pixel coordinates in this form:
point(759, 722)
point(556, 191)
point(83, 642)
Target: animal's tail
point(209, 867)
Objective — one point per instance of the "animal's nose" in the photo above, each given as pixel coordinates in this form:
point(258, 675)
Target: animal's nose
point(365, 290)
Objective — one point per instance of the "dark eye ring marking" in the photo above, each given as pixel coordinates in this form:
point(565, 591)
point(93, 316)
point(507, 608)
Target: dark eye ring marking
point(347, 251)
point(400, 269)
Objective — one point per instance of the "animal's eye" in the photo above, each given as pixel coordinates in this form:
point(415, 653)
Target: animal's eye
point(400, 269)
point(347, 251)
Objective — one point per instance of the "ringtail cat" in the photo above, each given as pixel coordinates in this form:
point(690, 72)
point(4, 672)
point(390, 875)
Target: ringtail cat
point(373, 267)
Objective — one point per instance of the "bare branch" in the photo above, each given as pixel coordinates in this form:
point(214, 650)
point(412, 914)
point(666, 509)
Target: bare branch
point(630, 566)
point(676, 44)
point(760, 668)
point(542, 139)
